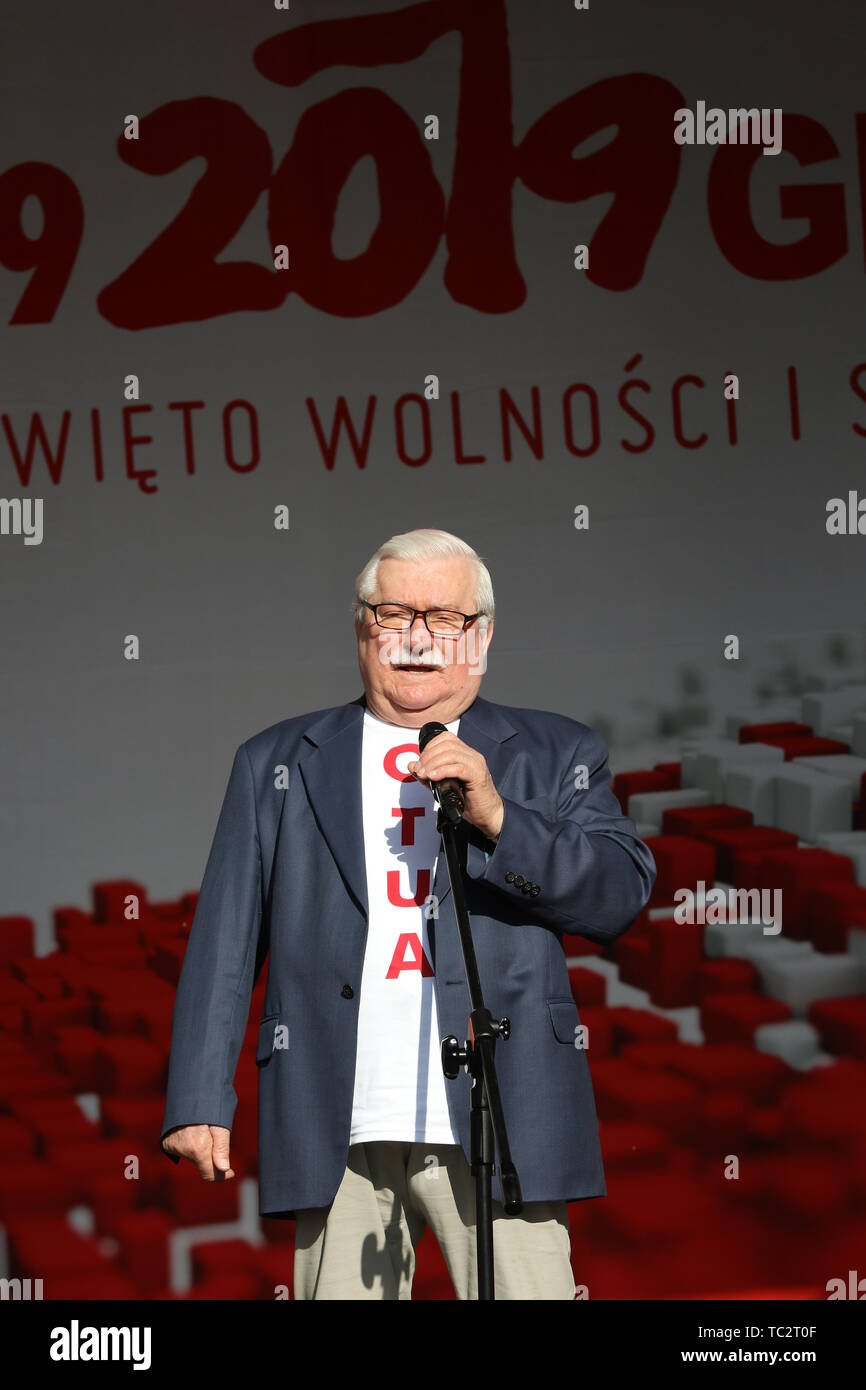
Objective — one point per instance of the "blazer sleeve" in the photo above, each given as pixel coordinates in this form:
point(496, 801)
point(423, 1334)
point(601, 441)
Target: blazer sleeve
point(593, 873)
point(216, 981)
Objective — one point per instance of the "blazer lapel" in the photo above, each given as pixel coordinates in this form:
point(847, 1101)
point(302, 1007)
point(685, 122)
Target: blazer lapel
point(331, 770)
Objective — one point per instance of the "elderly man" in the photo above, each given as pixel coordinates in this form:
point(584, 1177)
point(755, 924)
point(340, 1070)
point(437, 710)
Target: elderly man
point(326, 856)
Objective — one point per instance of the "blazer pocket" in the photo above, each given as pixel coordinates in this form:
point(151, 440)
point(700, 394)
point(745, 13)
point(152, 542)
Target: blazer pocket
point(268, 1038)
point(564, 1017)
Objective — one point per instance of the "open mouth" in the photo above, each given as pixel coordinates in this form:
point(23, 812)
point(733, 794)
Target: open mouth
point(418, 666)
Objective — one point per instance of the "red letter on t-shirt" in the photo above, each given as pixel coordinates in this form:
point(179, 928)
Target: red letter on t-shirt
point(422, 892)
point(418, 960)
point(407, 826)
point(389, 762)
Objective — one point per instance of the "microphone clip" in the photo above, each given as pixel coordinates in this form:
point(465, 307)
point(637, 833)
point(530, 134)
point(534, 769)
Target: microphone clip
point(450, 802)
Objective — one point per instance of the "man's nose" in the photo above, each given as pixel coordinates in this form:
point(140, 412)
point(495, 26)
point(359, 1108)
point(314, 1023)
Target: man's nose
point(418, 633)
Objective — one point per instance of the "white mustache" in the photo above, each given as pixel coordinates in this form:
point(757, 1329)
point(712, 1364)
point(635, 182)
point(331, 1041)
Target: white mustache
point(402, 653)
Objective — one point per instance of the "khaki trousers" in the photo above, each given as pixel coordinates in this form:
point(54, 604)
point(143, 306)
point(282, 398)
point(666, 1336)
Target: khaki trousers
point(363, 1245)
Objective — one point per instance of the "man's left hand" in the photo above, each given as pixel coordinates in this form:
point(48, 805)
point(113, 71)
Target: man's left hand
point(447, 756)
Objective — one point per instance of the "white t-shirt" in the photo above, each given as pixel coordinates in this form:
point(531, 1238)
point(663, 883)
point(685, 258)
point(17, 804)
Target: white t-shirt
point(399, 1084)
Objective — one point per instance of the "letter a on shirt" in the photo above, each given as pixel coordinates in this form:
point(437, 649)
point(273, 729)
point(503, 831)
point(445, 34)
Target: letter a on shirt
point(408, 942)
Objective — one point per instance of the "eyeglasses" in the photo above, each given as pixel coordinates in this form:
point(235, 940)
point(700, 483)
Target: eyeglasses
point(440, 622)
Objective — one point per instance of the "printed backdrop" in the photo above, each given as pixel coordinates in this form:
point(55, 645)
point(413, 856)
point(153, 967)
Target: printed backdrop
point(279, 282)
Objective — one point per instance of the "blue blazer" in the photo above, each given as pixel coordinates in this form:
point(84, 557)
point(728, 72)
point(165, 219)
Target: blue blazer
point(286, 877)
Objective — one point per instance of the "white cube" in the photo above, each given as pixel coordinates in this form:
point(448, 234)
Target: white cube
point(858, 738)
point(754, 788)
point(857, 949)
point(810, 803)
point(648, 829)
point(796, 1042)
point(799, 981)
point(711, 767)
point(766, 951)
point(732, 939)
point(692, 751)
point(844, 765)
point(823, 708)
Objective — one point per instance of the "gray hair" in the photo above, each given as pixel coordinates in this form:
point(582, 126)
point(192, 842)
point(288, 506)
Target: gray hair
point(424, 545)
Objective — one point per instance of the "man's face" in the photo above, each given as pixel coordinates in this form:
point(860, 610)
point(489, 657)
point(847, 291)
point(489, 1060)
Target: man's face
point(416, 676)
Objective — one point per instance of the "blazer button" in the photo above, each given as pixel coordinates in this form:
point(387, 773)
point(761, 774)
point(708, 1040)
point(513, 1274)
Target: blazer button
point(534, 891)
point(526, 888)
point(519, 880)
point(509, 878)
point(347, 992)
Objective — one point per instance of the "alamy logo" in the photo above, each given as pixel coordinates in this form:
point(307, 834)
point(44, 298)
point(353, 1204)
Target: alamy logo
point(743, 906)
point(855, 1288)
point(76, 1343)
point(22, 517)
point(20, 1289)
point(737, 126)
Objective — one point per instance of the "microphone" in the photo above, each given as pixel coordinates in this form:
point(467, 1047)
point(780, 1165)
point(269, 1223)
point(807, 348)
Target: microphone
point(448, 794)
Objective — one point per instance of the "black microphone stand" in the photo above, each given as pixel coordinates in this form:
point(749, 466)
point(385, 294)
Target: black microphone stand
point(487, 1120)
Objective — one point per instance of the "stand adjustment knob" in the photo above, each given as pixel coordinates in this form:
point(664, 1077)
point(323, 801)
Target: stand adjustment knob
point(453, 1057)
